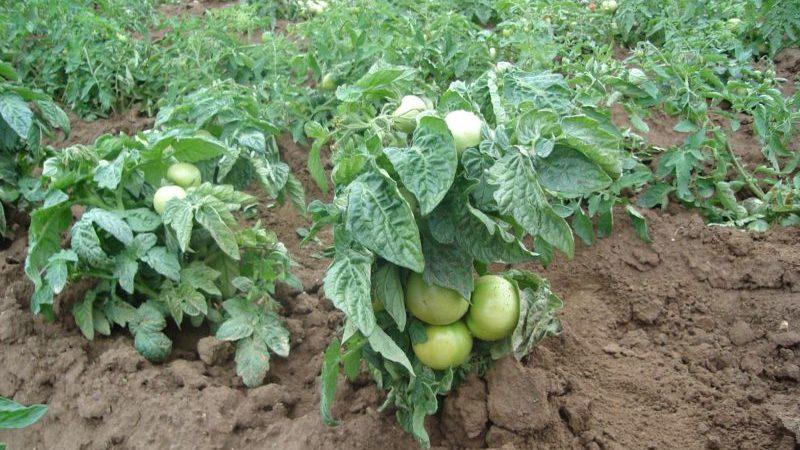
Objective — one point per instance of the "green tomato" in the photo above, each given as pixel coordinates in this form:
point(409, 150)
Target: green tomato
point(184, 175)
point(433, 304)
point(495, 308)
point(447, 346)
point(405, 116)
point(465, 127)
point(165, 194)
point(328, 82)
point(609, 6)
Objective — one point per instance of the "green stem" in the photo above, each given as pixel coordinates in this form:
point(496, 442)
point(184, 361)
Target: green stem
point(146, 290)
point(751, 183)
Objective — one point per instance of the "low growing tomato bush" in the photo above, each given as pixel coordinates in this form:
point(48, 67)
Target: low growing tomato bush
point(499, 171)
point(152, 251)
point(26, 117)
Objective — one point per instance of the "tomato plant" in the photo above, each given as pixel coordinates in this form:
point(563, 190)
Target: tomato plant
point(190, 260)
point(231, 114)
point(26, 117)
point(475, 208)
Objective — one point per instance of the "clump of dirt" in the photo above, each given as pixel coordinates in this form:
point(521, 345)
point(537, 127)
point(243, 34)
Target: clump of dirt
point(85, 132)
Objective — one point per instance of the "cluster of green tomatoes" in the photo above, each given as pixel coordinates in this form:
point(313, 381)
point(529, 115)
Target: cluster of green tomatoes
point(183, 175)
point(451, 322)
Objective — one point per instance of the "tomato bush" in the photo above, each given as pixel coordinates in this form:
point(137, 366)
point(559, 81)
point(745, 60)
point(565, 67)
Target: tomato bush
point(183, 256)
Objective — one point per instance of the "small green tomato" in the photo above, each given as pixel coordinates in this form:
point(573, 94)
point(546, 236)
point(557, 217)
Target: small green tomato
point(433, 304)
point(405, 116)
point(447, 346)
point(465, 127)
point(494, 311)
point(609, 6)
point(328, 82)
point(164, 194)
point(184, 175)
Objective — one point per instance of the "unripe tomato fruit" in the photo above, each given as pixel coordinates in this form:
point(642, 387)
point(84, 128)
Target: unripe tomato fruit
point(184, 175)
point(494, 311)
point(465, 127)
point(405, 116)
point(165, 194)
point(447, 346)
point(433, 304)
point(328, 82)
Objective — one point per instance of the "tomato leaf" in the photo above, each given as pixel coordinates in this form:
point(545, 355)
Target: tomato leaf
point(380, 219)
point(111, 222)
point(14, 415)
point(330, 373)
point(389, 291)
point(639, 223)
point(568, 172)
point(447, 265)
point(383, 344)
point(538, 308)
point(519, 195)
point(82, 312)
point(16, 113)
point(347, 284)
point(428, 167)
point(588, 136)
point(252, 360)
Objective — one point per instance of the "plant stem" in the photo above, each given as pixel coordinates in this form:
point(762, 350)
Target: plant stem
point(751, 183)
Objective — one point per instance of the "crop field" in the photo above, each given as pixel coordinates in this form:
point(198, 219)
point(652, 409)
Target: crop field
point(394, 224)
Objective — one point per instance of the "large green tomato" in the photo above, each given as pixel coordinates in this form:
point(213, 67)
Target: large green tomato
point(433, 304)
point(495, 308)
point(184, 174)
point(165, 194)
point(447, 346)
point(405, 116)
point(465, 127)
point(328, 82)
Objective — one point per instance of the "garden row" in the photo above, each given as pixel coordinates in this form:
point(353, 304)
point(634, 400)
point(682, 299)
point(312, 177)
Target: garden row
point(461, 134)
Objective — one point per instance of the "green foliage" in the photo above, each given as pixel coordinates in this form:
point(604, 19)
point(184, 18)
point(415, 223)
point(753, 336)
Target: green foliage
point(228, 113)
point(13, 415)
point(474, 209)
point(196, 262)
point(26, 117)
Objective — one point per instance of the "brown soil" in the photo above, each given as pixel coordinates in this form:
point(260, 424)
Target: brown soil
point(787, 65)
point(85, 132)
point(690, 342)
point(192, 7)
